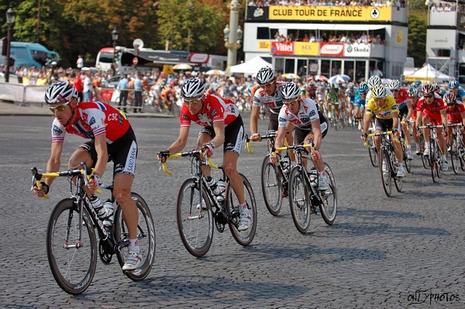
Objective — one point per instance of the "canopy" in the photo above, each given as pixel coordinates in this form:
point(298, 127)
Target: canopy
point(249, 67)
point(428, 73)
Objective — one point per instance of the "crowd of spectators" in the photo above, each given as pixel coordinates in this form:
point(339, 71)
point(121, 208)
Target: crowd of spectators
point(443, 7)
point(378, 3)
point(350, 38)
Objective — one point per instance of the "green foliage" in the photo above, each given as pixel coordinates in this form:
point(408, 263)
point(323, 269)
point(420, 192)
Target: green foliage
point(417, 37)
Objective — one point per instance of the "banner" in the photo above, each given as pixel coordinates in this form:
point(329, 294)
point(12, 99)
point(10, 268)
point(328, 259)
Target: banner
point(330, 13)
point(357, 50)
point(331, 49)
point(282, 48)
point(306, 48)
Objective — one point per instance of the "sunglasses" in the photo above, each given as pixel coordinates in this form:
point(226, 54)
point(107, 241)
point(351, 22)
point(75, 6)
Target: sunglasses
point(192, 101)
point(58, 108)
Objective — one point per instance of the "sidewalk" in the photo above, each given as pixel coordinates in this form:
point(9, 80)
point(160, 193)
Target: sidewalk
point(16, 109)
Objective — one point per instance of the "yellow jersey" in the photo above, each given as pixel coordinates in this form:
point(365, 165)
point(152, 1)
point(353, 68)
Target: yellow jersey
point(384, 112)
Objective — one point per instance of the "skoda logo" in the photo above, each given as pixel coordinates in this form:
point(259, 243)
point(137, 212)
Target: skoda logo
point(374, 13)
point(349, 48)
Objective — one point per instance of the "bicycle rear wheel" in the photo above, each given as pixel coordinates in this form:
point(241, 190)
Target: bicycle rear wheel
point(328, 208)
point(272, 188)
point(244, 238)
point(299, 199)
point(433, 161)
point(145, 238)
point(194, 218)
point(72, 260)
point(385, 171)
point(454, 157)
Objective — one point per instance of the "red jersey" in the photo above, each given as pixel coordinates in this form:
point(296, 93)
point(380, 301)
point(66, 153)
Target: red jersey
point(214, 109)
point(94, 119)
point(454, 112)
point(432, 110)
point(401, 96)
point(78, 84)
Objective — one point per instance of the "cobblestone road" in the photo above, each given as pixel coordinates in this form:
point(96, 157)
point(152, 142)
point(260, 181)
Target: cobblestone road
point(381, 253)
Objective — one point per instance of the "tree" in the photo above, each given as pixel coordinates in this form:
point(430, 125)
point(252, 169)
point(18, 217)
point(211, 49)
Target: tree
point(417, 37)
point(190, 25)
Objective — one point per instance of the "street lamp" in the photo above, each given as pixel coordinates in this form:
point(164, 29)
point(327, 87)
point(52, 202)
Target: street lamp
point(10, 20)
point(114, 38)
point(233, 34)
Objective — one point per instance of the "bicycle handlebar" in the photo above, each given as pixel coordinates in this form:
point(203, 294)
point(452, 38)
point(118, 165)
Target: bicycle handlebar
point(269, 136)
point(194, 153)
point(429, 126)
point(295, 147)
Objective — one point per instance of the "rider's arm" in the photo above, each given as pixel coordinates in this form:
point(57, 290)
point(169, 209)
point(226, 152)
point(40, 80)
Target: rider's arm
point(316, 130)
point(279, 141)
point(444, 117)
point(102, 154)
point(53, 163)
point(254, 115)
point(395, 120)
point(218, 140)
point(366, 121)
point(181, 141)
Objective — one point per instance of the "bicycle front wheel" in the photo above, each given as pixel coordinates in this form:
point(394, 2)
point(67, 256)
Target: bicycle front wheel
point(272, 187)
point(373, 155)
point(194, 218)
point(434, 161)
point(385, 171)
point(145, 238)
point(299, 200)
point(245, 237)
point(72, 258)
point(328, 207)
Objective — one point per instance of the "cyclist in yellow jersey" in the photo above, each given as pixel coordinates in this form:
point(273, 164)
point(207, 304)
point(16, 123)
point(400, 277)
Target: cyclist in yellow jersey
point(386, 112)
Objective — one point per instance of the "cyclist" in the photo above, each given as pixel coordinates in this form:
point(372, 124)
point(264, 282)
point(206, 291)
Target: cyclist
point(309, 125)
point(222, 125)
point(433, 111)
point(111, 138)
point(384, 108)
point(360, 100)
point(414, 94)
point(455, 113)
point(454, 87)
point(267, 96)
point(401, 97)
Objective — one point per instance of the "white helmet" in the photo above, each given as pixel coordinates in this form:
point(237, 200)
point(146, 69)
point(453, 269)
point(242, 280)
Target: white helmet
point(265, 75)
point(193, 88)
point(373, 81)
point(289, 91)
point(59, 93)
point(379, 92)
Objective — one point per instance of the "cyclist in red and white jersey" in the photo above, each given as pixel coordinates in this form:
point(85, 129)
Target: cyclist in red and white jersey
point(412, 101)
point(433, 111)
point(221, 125)
point(309, 125)
point(111, 138)
point(402, 99)
point(267, 95)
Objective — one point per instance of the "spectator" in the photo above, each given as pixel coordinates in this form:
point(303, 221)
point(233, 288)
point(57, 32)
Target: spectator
point(123, 93)
point(87, 87)
point(137, 94)
point(79, 62)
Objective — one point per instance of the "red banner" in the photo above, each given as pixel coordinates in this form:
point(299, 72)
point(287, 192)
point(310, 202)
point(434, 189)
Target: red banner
point(282, 48)
point(331, 49)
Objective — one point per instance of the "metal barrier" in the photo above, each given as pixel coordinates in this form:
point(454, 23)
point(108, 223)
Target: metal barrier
point(22, 93)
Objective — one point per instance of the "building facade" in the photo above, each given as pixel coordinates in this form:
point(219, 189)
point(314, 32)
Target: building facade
point(358, 41)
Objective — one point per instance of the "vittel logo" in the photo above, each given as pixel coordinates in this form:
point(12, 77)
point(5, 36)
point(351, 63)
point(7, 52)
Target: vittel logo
point(282, 47)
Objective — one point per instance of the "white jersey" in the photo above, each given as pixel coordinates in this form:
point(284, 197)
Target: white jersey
point(272, 102)
point(307, 113)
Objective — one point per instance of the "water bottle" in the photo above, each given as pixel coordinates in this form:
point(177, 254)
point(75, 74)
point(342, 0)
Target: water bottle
point(313, 176)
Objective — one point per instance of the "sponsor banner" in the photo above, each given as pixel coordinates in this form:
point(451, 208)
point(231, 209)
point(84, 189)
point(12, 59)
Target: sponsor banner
point(198, 58)
point(282, 48)
point(306, 48)
point(331, 49)
point(257, 13)
point(330, 13)
point(357, 50)
point(264, 45)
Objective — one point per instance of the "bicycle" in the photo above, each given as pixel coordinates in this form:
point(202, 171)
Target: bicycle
point(304, 204)
point(274, 177)
point(457, 148)
point(387, 163)
point(434, 158)
point(198, 210)
point(71, 231)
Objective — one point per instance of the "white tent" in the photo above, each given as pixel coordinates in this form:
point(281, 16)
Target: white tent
point(428, 73)
point(249, 67)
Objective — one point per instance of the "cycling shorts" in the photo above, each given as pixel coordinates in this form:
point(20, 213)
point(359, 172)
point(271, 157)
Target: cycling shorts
point(123, 153)
point(233, 135)
point(383, 125)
